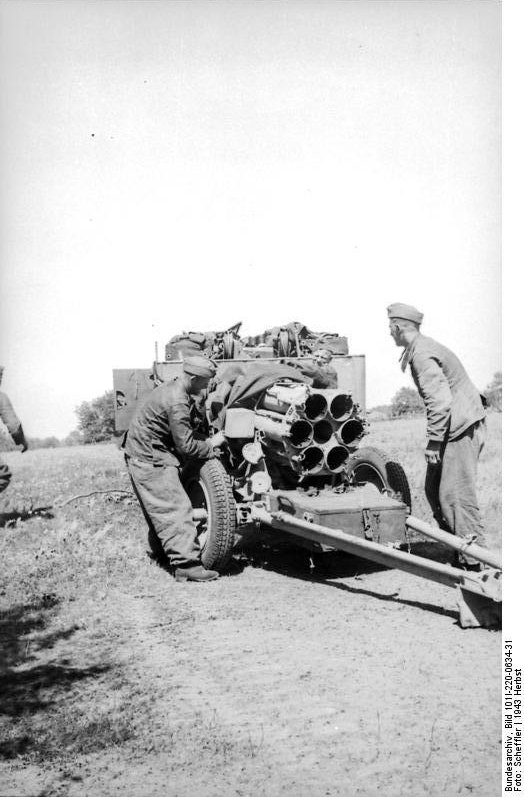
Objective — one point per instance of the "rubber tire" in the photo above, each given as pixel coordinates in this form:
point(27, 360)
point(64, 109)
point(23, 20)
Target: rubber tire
point(374, 466)
point(217, 495)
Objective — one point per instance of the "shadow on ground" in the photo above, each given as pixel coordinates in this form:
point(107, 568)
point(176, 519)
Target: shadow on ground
point(308, 565)
point(28, 683)
point(11, 518)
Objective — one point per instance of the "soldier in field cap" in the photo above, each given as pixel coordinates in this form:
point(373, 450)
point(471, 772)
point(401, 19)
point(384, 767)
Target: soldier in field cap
point(456, 425)
point(159, 441)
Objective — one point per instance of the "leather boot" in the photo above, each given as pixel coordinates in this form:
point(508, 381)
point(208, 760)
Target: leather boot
point(195, 573)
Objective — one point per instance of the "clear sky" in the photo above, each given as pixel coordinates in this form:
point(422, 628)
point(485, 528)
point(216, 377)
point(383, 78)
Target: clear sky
point(187, 165)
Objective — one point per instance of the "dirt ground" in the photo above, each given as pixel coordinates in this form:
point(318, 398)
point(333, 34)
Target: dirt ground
point(278, 679)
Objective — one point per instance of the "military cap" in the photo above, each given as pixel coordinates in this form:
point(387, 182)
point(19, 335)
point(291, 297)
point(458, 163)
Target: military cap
point(405, 311)
point(199, 366)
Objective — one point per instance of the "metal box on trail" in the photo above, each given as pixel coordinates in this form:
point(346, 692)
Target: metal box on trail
point(363, 512)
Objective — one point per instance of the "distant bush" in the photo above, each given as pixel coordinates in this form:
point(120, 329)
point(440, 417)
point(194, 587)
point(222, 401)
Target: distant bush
point(96, 420)
point(6, 444)
point(493, 392)
point(74, 438)
point(406, 402)
point(43, 442)
point(380, 413)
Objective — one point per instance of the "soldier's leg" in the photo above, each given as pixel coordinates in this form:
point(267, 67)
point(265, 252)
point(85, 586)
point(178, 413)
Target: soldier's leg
point(168, 508)
point(432, 489)
point(154, 542)
point(458, 493)
point(5, 476)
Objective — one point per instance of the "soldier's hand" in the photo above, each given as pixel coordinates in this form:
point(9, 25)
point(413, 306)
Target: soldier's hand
point(432, 453)
point(19, 439)
point(217, 440)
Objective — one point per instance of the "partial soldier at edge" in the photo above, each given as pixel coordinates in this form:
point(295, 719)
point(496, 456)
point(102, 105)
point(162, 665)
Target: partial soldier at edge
point(14, 427)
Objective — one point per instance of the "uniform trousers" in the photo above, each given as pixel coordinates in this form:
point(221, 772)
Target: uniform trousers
point(167, 510)
point(451, 485)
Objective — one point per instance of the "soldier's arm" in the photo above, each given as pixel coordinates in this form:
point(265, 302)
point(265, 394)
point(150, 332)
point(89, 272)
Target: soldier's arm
point(182, 432)
point(12, 422)
point(310, 371)
point(332, 377)
point(435, 393)
point(8, 415)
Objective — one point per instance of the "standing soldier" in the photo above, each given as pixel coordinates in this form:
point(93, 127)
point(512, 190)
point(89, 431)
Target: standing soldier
point(456, 426)
point(14, 427)
point(159, 441)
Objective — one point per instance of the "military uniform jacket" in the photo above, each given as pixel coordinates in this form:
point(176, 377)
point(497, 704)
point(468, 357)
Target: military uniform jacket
point(161, 432)
point(452, 401)
point(329, 376)
point(8, 415)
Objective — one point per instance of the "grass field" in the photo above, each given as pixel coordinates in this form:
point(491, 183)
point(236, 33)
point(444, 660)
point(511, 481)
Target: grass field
point(100, 645)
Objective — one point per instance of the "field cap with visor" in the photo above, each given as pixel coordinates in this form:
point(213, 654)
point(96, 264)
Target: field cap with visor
point(406, 312)
point(199, 366)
